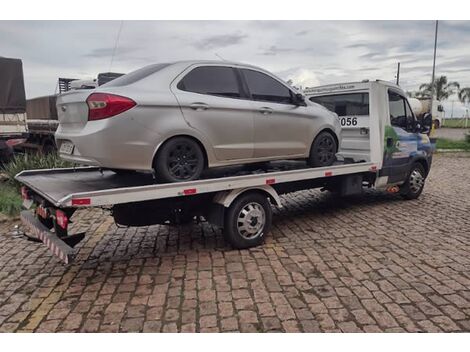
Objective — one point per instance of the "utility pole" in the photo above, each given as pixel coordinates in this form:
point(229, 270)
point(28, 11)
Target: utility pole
point(434, 66)
point(398, 74)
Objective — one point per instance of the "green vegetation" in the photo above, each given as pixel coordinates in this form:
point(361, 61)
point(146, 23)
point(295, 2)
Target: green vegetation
point(443, 143)
point(32, 162)
point(455, 123)
point(10, 199)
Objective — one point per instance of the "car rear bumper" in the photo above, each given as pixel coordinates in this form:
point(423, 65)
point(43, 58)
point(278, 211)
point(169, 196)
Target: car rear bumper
point(108, 144)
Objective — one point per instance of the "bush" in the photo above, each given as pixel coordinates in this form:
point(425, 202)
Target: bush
point(10, 199)
point(467, 137)
point(32, 162)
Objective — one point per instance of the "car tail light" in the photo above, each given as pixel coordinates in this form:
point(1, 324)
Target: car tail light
point(103, 105)
point(61, 219)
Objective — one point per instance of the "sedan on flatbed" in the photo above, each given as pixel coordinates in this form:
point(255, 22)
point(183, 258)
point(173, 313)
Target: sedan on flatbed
point(178, 119)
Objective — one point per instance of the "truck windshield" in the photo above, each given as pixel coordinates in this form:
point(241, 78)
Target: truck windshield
point(345, 104)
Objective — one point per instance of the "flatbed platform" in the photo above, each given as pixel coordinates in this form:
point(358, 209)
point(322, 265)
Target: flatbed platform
point(91, 186)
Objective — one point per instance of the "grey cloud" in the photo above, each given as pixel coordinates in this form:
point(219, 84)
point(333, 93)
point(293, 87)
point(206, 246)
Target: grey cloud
point(219, 41)
point(108, 52)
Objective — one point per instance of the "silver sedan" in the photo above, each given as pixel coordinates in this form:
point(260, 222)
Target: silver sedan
point(177, 119)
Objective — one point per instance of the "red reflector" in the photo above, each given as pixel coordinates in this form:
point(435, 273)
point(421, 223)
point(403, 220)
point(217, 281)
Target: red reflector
point(81, 201)
point(270, 181)
point(102, 105)
point(24, 193)
point(328, 173)
point(189, 191)
point(61, 219)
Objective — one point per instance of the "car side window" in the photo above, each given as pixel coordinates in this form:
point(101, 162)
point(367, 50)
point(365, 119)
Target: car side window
point(265, 88)
point(212, 80)
point(398, 110)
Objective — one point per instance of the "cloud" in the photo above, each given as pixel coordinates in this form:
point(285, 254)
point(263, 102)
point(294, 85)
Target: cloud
point(219, 41)
point(308, 52)
point(108, 52)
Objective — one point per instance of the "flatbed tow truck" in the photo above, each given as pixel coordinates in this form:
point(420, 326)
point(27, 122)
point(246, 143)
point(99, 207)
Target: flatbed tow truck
point(380, 149)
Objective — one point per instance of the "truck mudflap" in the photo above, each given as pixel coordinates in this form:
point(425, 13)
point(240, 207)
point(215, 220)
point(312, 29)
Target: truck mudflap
point(61, 247)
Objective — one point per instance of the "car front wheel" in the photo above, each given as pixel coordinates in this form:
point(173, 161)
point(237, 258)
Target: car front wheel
point(180, 159)
point(323, 150)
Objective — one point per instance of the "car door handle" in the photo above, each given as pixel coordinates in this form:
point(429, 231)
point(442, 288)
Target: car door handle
point(199, 106)
point(266, 110)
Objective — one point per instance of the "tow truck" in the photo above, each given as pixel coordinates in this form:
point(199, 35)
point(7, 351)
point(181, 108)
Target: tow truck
point(383, 147)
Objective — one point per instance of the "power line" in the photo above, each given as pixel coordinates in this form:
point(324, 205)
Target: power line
point(116, 45)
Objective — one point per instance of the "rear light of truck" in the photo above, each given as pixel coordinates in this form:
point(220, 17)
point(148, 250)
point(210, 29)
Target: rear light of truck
point(61, 219)
point(25, 193)
point(103, 105)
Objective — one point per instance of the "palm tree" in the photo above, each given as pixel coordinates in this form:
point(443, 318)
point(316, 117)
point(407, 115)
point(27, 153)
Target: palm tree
point(442, 88)
point(464, 96)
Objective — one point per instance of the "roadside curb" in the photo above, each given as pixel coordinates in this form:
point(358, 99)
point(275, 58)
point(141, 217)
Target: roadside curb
point(452, 151)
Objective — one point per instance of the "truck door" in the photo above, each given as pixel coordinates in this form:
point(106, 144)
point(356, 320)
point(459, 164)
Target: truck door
point(401, 139)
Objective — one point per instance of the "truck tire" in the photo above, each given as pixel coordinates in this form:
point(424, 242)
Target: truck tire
point(248, 220)
point(323, 150)
point(414, 184)
point(179, 159)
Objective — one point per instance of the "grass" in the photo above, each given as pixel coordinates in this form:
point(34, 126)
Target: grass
point(443, 143)
point(455, 123)
point(10, 199)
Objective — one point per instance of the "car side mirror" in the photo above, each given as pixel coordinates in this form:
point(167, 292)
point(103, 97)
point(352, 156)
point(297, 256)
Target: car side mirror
point(299, 99)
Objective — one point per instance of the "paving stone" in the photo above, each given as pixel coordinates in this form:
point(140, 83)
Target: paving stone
point(329, 265)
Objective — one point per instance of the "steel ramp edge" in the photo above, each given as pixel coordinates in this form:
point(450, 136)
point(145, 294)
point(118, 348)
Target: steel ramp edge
point(54, 243)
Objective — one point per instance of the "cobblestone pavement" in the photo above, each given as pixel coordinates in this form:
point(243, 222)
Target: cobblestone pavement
point(373, 263)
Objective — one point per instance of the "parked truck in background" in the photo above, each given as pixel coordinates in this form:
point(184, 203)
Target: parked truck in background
point(41, 112)
point(422, 106)
point(13, 126)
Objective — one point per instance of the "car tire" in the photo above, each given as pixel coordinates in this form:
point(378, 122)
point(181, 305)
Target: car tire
point(248, 220)
point(323, 150)
point(179, 159)
point(413, 187)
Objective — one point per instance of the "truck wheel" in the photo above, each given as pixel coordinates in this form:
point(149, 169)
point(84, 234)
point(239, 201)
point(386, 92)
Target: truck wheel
point(248, 220)
point(179, 159)
point(414, 185)
point(323, 150)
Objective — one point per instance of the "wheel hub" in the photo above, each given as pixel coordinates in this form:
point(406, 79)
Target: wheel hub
point(182, 161)
point(251, 220)
point(416, 181)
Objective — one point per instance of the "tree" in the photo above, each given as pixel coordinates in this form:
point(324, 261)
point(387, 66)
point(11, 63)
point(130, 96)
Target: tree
point(442, 88)
point(464, 96)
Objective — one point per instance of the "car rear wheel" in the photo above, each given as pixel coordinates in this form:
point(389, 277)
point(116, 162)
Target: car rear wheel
point(323, 150)
point(180, 159)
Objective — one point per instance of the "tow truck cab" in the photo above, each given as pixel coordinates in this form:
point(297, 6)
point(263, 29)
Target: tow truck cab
point(402, 139)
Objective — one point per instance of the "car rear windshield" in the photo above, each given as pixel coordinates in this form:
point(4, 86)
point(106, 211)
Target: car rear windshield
point(135, 76)
point(345, 104)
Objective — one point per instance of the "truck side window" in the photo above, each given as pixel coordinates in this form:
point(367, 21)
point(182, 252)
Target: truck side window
point(398, 110)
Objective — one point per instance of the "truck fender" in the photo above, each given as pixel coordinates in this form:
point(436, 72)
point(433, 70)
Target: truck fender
point(226, 198)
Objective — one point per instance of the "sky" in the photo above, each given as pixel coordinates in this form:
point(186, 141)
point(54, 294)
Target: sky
point(309, 53)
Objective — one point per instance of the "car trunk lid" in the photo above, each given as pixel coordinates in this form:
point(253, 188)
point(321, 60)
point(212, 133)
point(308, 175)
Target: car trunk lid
point(72, 110)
